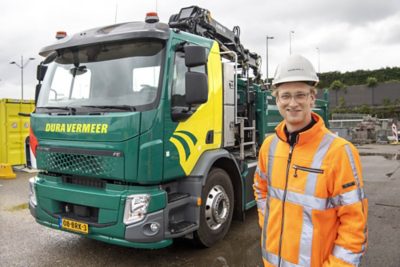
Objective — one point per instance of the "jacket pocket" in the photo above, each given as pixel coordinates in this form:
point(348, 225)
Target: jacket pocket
point(306, 169)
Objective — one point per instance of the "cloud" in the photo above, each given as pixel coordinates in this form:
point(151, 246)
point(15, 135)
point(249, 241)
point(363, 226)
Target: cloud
point(387, 30)
point(350, 34)
point(318, 13)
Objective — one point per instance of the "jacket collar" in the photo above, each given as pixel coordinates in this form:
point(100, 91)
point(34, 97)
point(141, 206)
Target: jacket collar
point(305, 136)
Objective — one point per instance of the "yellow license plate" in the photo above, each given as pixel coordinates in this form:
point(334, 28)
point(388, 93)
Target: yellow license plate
point(75, 226)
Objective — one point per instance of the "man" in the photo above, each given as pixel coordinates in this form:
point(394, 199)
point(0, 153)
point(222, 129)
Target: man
point(308, 184)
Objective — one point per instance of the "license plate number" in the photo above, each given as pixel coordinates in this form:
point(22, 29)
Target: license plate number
point(75, 226)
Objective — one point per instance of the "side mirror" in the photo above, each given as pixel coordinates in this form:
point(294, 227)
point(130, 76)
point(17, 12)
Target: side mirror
point(50, 57)
point(196, 88)
point(41, 72)
point(195, 56)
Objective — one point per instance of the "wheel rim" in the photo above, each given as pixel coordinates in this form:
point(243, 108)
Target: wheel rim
point(217, 207)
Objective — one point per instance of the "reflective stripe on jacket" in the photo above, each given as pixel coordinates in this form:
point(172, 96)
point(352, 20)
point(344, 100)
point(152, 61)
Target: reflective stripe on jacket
point(311, 202)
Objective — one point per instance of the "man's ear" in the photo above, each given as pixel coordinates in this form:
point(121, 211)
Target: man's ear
point(313, 98)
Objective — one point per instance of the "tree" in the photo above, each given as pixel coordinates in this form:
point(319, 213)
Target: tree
point(364, 109)
point(359, 76)
point(336, 85)
point(372, 81)
point(342, 102)
point(387, 102)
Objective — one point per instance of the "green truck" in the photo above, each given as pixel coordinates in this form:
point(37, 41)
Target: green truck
point(144, 132)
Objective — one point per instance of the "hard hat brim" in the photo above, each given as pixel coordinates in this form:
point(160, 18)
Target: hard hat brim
point(295, 79)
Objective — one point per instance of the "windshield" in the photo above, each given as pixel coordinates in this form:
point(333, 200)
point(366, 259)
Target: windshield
point(104, 76)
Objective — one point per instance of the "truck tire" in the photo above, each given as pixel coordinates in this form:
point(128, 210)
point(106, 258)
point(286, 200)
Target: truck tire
point(216, 209)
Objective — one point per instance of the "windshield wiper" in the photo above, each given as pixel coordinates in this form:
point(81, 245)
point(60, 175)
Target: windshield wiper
point(120, 107)
point(71, 110)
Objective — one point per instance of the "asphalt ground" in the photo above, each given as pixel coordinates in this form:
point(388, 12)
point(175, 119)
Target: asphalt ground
point(23, 242)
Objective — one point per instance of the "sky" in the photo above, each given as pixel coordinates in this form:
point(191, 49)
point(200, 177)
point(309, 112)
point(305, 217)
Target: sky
point(335, 35)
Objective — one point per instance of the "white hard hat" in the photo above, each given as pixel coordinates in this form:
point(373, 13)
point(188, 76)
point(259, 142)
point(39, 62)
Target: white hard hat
point(295, 68)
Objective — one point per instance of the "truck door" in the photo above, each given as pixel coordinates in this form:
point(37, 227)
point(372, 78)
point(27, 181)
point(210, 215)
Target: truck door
point(191, 129)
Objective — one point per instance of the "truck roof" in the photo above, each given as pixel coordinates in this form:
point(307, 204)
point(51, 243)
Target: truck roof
point(111, 33)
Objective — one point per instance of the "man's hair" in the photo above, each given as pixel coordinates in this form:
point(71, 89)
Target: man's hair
point(313, 89)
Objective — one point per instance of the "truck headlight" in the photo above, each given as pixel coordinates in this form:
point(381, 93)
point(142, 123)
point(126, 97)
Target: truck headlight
point(32, 192)
point(136, 208)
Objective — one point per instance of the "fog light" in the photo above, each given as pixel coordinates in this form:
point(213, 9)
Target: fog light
point(155, 227)
point(151, 229)
point(136, 208)
point(32, 192)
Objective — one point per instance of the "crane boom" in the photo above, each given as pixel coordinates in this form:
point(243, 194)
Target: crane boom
point(198, 21)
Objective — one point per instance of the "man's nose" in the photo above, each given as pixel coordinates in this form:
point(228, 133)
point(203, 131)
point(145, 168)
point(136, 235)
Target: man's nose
point(292, 101)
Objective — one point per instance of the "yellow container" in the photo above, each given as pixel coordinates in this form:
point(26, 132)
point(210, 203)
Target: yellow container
point(14, 129)
point(6, 172)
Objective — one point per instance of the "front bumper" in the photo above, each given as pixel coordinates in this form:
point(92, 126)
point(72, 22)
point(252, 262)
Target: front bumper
point(110, 203)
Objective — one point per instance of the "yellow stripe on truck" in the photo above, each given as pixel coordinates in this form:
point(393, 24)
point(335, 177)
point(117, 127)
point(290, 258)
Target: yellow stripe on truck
point(208, 117)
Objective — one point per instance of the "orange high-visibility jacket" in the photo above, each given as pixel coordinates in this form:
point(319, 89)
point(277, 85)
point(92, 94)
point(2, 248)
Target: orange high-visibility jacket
point(310, 199)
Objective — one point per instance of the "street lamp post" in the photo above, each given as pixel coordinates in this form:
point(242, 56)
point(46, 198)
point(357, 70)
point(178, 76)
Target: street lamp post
point(268, 38)
point(290, 42)
point(319, 63)
point(22, 65)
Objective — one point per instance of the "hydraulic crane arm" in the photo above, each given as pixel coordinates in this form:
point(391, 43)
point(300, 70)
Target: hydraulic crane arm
point(198, 21)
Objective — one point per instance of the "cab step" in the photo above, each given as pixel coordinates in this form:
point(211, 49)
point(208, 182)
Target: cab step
point(172, 197)
point(181, 227)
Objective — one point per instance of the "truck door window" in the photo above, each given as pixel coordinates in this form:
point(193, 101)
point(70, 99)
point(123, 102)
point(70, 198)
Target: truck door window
point(178, 81)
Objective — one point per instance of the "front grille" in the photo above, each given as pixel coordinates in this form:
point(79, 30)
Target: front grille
point(84, 181)
point(88, 163)
point(84, 164)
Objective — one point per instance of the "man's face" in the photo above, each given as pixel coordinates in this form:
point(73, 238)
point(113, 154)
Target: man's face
point(295, 101)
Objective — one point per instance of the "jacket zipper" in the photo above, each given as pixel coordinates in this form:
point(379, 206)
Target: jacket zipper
point(284, 201)
point(306, 169)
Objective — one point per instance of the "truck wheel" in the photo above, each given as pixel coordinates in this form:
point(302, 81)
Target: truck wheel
point(216, 209)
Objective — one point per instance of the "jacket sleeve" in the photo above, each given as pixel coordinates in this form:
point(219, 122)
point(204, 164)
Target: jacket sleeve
point(352, 208)
point(260, 185)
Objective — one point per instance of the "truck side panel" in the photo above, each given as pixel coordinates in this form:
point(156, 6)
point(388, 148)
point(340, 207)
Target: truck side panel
point(202, 131)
